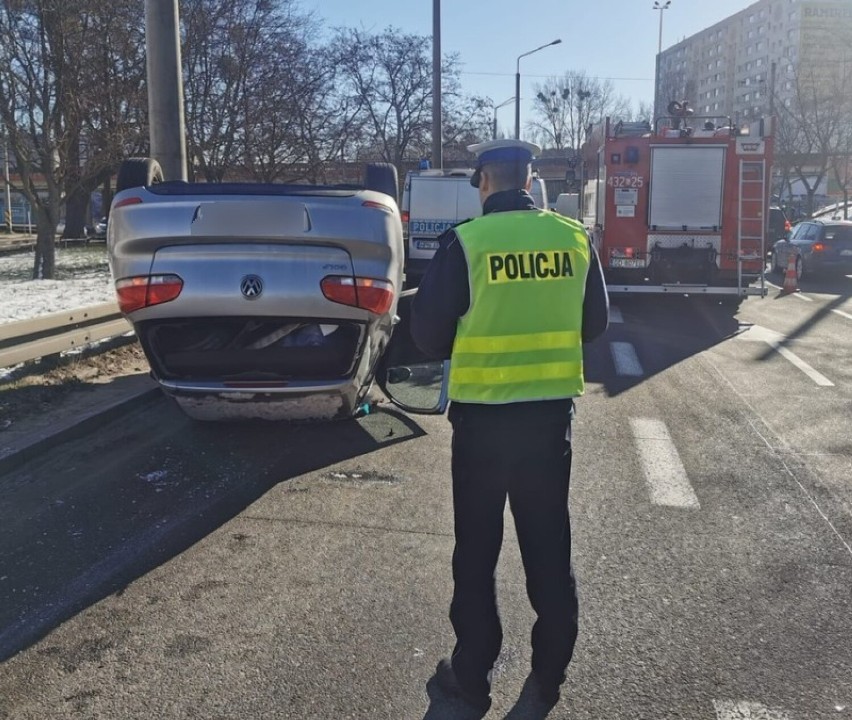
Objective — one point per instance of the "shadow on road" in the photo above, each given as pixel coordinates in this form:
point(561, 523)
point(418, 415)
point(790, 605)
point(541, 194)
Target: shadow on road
point(526, 707)
point(659, 332)
point(91, 516)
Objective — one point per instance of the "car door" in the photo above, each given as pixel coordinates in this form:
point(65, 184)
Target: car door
point(410, 379)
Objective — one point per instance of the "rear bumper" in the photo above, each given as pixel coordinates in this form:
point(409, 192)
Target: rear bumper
point(317, 401)
point(829, 265)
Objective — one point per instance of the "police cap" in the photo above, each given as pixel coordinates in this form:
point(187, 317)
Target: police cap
point(502, 151)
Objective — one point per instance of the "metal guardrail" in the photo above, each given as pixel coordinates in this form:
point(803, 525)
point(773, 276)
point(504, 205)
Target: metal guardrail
point(26, 340)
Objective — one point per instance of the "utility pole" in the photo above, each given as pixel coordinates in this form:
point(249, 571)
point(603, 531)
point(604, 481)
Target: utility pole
point(437, 140)
point(165, 87)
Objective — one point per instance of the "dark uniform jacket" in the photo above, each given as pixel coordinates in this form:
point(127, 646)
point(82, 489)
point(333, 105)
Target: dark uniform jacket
point(444, 296)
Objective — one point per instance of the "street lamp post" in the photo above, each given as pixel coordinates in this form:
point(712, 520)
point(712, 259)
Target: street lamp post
point(496, 108)
point(660, 6)
point(518, 86)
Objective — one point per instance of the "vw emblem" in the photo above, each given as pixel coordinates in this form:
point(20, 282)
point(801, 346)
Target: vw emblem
point(251, 286)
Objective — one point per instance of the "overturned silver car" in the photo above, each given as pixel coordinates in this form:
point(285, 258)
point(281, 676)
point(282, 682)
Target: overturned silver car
point(258, 300)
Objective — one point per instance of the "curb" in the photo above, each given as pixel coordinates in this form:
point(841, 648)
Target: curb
point(29, 448)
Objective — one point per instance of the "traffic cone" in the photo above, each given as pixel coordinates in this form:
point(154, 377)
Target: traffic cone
point(791, 283)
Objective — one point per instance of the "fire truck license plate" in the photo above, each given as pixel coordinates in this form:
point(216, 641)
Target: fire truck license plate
point(626, 263)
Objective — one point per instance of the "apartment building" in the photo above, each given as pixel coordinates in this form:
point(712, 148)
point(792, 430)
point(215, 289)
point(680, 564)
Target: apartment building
point(744, 65)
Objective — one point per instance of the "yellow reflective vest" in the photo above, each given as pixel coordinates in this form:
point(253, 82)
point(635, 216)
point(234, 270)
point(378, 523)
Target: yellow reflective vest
point(521, 337)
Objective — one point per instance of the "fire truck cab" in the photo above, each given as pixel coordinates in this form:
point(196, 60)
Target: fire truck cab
point(680, 207)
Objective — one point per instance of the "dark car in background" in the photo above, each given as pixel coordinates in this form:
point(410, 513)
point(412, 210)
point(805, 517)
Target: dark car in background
point(816, 245)
point(779, 226)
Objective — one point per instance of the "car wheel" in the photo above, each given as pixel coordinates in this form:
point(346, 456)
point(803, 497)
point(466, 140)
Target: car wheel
point(800, 267)
point(138, 172)
point(382, 177)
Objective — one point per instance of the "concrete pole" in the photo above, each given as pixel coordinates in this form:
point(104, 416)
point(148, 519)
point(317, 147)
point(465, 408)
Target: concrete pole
point(437, 140)
point(8, 217)
point(165, 87)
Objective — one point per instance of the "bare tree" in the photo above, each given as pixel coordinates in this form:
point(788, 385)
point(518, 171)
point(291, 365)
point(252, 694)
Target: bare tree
point(814, 126)
point(566, 106)
point(389, 77)
point(64, 102)
point(240, 55)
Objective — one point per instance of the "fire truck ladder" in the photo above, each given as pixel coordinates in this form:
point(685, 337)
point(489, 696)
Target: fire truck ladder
point(751, 223)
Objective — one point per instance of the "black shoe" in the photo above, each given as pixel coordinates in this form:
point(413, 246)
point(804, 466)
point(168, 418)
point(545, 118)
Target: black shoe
point(548, 692)
point(446, 679)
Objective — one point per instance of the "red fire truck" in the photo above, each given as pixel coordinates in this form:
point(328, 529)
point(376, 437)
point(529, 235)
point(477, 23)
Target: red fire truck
point(680, 207)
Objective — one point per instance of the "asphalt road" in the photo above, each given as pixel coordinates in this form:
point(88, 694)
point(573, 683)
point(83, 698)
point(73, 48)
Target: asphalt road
point(167, 569)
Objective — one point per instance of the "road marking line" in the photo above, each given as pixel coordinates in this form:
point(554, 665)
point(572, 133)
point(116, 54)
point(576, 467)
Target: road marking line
point(728, 710)
point(661, 464)
point(615, 315)
point(814, 375)
point(843, 314)
point(756, 333)
point(625, 359)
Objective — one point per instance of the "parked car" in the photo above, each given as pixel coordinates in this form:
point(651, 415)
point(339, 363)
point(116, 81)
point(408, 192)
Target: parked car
point(258, 300)
point(816, 245)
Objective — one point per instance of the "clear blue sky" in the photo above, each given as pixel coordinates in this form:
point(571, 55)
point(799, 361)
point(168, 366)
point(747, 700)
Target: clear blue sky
point(614, 39)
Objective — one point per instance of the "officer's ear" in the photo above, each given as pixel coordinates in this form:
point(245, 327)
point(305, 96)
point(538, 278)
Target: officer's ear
point(484, 181)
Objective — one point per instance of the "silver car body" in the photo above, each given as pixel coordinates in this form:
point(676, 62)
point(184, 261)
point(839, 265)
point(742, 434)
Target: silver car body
point(252, 334)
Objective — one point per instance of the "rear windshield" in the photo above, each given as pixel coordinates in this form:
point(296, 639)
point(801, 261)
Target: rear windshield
point(838, 232)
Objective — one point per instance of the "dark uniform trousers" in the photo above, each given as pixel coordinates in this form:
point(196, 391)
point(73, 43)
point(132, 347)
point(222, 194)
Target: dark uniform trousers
point(519, 452)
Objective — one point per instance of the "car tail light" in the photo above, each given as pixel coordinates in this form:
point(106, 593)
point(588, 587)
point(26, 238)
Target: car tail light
point(405, 216)
point(817, 247)
point(135, 293)
point(367, 293)
point(128, 201)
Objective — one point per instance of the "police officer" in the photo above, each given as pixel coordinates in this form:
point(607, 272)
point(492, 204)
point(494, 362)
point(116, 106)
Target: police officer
point(510, 297)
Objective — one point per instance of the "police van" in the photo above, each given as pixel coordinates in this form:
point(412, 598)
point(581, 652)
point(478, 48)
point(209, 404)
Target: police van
point(435, 200)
